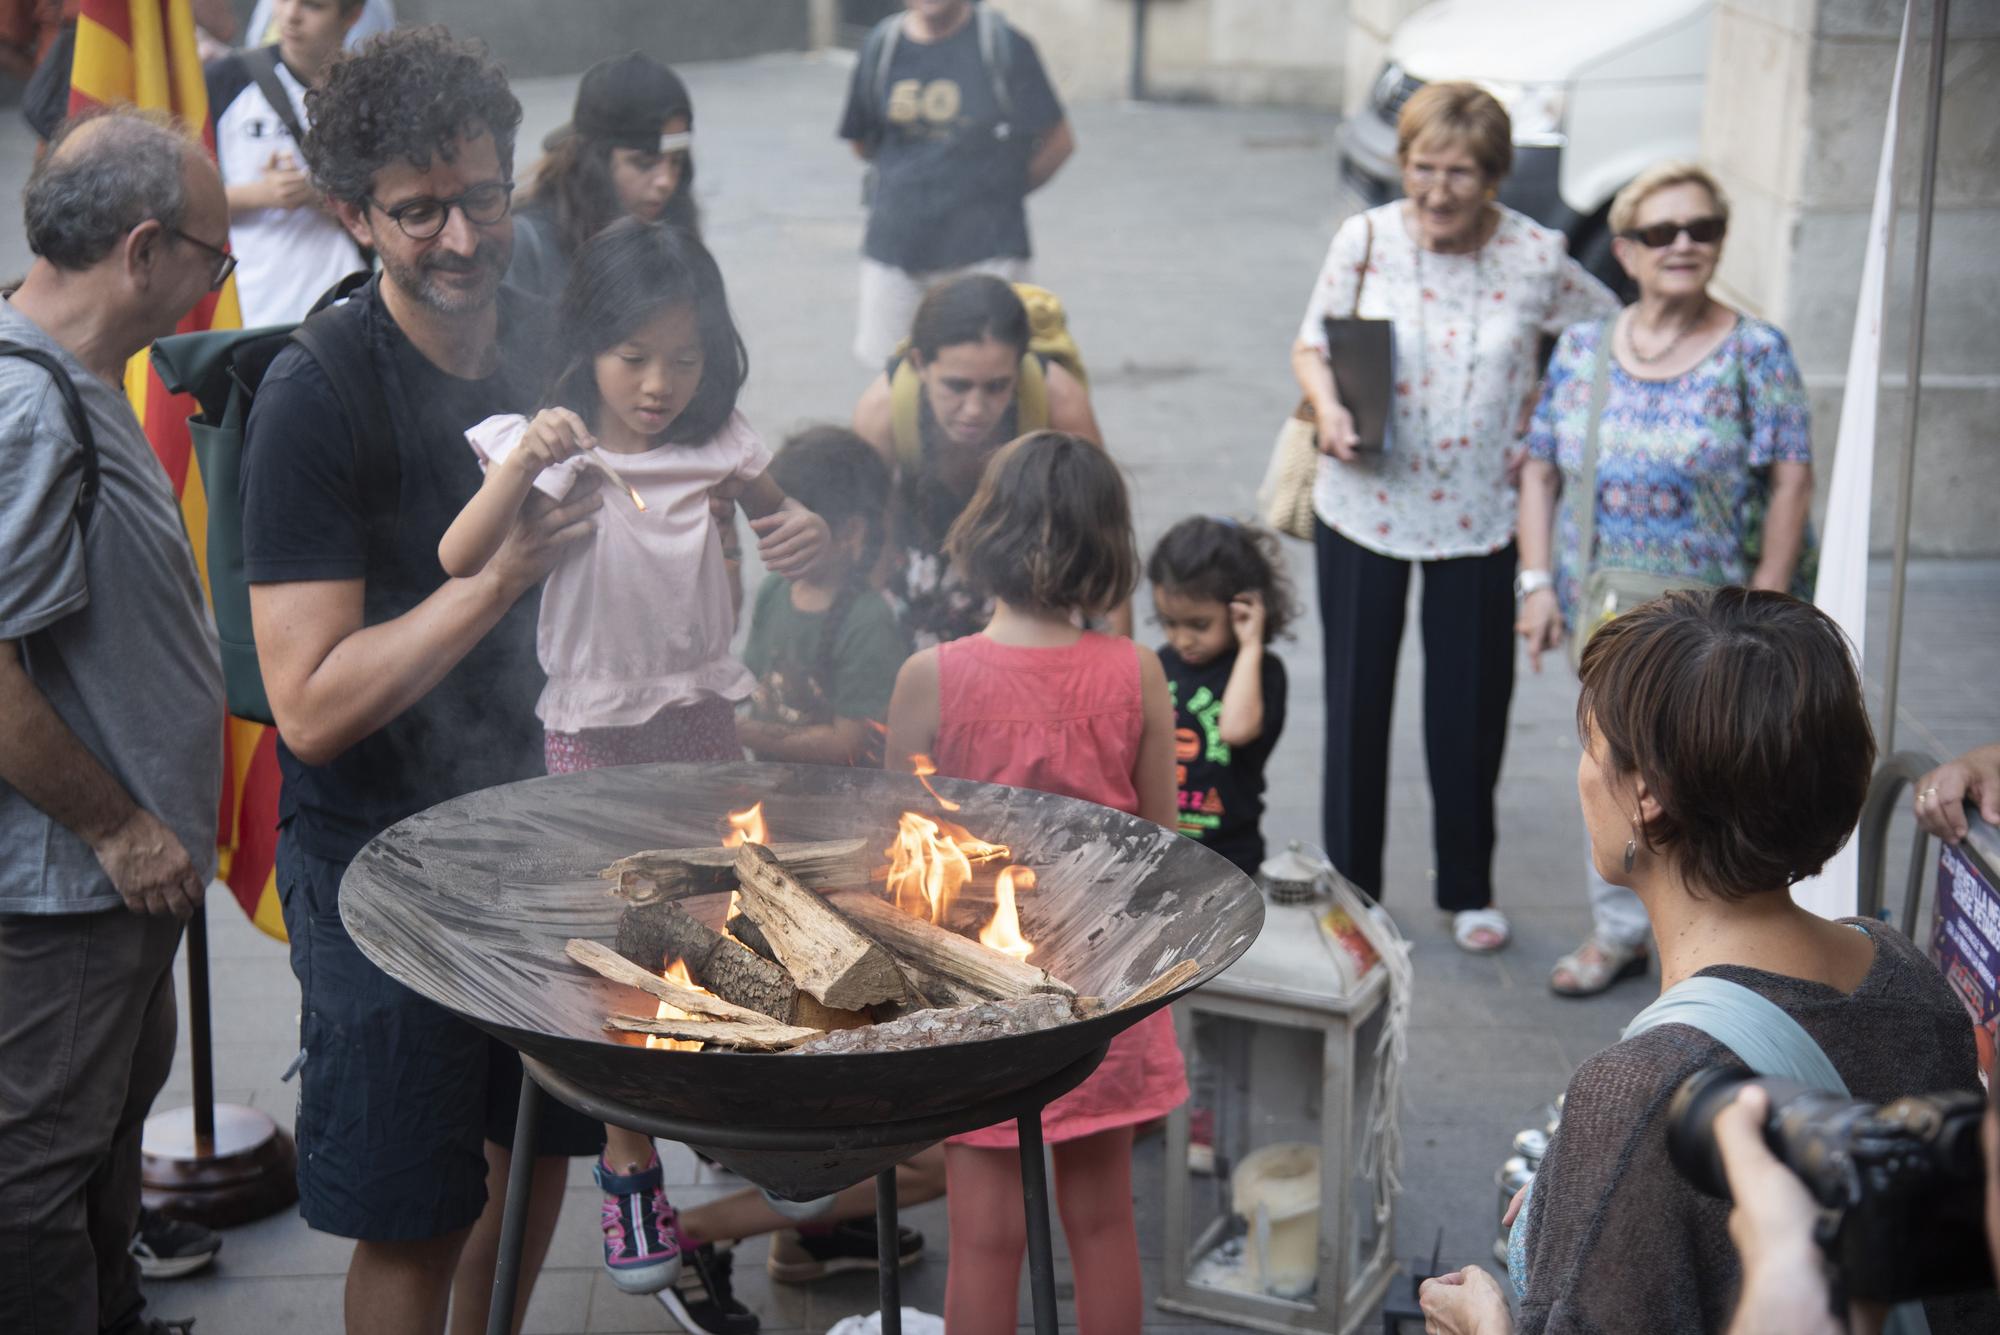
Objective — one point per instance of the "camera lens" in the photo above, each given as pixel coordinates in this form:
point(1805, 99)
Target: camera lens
point(1691, 1126)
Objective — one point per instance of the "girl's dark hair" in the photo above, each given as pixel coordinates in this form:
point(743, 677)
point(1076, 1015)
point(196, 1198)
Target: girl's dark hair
point(573, 182)
point(969, 309)
point(1742, 712)
point(623, 278)
point(1216, 559)
point(1050, 528)
point(838, 476)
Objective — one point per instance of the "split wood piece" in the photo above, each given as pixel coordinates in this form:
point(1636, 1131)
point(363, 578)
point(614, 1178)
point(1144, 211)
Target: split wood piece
point(750, 934)
point(844, 968)
point(1173, 976)
point(676, 873)
point(656, 934)
point(958, 1024)
point(766, 1037)
point(932, 951)
point(601, 959)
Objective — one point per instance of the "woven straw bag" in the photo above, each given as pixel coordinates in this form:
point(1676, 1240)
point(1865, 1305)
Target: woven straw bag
point(1287, 493)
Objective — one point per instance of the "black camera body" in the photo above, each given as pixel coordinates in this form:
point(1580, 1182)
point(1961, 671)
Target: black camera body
point(1901, 1186)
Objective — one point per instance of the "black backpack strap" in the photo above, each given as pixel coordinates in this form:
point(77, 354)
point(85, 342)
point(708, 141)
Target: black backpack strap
point(79, 422)
point(262, 65)
point(335, 334)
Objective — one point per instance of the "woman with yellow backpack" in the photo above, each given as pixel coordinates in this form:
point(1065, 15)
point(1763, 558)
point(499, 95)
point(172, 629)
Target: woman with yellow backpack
point(986, 361)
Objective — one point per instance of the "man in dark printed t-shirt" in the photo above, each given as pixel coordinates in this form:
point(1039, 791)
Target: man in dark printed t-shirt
point(954, 113)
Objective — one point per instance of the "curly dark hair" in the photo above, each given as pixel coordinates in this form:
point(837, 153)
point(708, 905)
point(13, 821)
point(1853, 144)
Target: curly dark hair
point(1742, 712)
point(1215, 559)
point(406, 96)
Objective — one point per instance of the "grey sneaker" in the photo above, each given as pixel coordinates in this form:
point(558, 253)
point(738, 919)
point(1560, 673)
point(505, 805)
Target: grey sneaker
point(168, 1248)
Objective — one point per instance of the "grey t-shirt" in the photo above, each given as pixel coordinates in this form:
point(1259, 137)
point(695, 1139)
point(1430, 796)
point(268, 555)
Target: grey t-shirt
point(111, 625)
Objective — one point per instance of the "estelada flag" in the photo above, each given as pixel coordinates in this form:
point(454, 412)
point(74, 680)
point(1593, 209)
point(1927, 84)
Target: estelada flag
point(143, 52)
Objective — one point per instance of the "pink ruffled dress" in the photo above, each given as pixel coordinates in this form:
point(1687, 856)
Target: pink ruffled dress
point(1066, 721)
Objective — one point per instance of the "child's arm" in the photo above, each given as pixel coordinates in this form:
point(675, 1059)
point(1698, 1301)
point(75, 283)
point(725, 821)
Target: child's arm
point(1154, 774)
point(790, 537)
point(913, 716)
point(835, 743)
point(554, 435)
point(1242, 720)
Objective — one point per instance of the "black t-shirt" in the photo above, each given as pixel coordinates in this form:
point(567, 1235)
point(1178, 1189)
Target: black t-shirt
point(1221, 786)
point(951, 168)
point(306, 518)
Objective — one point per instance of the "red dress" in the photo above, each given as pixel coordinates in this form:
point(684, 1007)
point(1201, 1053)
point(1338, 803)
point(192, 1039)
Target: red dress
point(1066, 721)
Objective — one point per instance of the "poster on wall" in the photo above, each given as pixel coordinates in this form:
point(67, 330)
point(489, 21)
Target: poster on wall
point(1965, 942)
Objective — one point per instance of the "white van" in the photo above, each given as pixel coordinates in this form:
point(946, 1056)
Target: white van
point(1596, 92)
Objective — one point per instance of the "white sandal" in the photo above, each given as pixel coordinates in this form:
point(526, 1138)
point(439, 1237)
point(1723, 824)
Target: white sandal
point(1467, 924)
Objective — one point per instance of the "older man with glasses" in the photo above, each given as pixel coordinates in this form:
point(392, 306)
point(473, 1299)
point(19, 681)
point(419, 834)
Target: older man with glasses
point(395, 688)
point(111, 692)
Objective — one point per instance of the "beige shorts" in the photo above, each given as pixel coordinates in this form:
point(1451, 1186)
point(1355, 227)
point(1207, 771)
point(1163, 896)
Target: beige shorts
point(889, 298)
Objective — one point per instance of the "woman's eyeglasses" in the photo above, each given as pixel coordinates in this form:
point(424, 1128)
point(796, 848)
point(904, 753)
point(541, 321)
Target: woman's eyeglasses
point(1660, 235)
point(1459, 180)
point(225, 263)
point(422, 219)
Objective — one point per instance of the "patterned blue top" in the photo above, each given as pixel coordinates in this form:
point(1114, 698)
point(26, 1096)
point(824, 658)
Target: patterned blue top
point(1683, 465)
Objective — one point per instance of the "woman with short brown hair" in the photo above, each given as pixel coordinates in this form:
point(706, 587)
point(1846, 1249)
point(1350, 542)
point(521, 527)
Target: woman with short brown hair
point(1471, 287)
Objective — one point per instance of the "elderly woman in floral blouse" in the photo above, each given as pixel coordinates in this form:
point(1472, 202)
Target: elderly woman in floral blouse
point(1704, 464)
point(1471, 287)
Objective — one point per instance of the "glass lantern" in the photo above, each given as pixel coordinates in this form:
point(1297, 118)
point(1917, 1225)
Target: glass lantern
point(1278, 1214)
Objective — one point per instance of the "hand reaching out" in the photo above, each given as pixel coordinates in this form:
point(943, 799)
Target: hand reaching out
point(554, 435)
point(1468, 1302)
point(790, 539)
point(1942, 794)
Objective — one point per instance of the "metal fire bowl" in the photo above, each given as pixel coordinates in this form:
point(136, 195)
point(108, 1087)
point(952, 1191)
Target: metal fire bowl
point(469, 904)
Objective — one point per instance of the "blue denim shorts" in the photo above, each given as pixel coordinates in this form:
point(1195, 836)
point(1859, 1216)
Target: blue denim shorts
point(396, 1093)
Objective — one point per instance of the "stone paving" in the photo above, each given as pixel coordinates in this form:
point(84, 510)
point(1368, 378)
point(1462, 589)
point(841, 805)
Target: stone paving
point(1183, 241)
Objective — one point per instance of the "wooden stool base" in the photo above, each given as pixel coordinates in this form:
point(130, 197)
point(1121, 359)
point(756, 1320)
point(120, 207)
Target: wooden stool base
point(248, 1171)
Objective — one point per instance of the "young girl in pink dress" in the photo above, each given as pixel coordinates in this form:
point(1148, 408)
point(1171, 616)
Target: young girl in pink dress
point(1035, 702)
point(635, 623)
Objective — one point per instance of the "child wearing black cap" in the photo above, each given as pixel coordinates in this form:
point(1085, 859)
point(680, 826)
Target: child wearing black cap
point(626, 150)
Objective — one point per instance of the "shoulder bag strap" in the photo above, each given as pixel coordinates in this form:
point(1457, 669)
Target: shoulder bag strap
point(79, 423)
point(1586, 501)
point(1367, 258)
point(263, 66)
point(345, 355)
point(1751, 1025)
point(881, 45)
point(994, 54)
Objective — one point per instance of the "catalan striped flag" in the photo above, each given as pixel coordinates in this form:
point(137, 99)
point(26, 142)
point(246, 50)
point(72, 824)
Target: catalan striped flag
point(143, 52)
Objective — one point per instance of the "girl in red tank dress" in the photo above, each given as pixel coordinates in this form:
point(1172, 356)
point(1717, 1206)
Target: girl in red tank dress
point(1035, 702)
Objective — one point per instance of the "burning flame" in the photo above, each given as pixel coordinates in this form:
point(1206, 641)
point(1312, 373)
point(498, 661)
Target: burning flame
point(746, 827)
point(931, 861)
point(921, 766)
point(1003, 934)
point(677, 972)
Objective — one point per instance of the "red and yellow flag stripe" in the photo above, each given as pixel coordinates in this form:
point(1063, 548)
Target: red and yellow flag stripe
point(143, 52)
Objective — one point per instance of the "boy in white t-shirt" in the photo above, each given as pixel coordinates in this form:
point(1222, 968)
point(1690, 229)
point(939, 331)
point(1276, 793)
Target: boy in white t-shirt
point(288, 249)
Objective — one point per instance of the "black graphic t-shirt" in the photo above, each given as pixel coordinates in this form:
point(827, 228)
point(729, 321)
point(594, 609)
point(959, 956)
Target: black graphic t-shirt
point(951, 167)
point(1221, 786)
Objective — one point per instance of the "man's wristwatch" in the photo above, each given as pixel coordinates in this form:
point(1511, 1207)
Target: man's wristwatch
point(1532, 581)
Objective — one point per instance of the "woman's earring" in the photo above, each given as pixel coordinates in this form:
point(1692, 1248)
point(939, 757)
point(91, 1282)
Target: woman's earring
point(1631, 853)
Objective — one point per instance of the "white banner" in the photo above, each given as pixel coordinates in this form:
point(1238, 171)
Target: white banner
point(1842, 590)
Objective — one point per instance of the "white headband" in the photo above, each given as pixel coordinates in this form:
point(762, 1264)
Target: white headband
point(675, 143)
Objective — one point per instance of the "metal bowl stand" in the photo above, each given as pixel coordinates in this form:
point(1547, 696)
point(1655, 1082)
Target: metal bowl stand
point(1023, 1106)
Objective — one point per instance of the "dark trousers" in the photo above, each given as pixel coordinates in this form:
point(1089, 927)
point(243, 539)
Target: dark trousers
point(86, 1040)
point(1468, 630)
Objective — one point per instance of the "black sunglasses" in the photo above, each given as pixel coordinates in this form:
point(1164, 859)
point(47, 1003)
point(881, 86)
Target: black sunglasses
point(225, 263)
point(422, 219)
point(1660, 235)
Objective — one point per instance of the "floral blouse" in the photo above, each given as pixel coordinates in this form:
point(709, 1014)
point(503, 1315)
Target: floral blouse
point(1683, 465)
point(1468, 334)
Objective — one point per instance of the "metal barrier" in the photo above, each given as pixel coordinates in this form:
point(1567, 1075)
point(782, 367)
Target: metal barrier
point(1981, 846)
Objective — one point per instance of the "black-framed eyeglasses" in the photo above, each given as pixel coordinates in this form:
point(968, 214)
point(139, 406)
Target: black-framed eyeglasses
point(225, 263)
point(422, 219)
point(1660, 235)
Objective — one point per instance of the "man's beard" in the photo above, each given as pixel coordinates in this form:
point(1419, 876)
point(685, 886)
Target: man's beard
point(420, 283)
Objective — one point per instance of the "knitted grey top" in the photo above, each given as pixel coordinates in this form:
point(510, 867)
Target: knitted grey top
point(1617, 1239)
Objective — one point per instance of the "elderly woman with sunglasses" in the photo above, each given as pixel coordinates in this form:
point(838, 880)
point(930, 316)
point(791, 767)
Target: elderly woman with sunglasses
point(1703, 465)
point(1470, 287)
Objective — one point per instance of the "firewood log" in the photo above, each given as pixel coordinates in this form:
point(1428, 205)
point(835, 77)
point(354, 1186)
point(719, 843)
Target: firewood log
point(931, 950)
point(766, 1037)
point(825, 954)
point(603, 960)
point(656, 934)
point(1169, 978)
point(676, 873)
point(750, 934)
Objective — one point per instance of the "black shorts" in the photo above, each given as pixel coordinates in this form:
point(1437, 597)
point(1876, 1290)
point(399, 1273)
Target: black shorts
point(396, 1093)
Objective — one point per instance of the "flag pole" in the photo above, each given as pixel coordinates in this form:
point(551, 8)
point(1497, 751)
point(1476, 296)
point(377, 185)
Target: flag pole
point(1913, 391)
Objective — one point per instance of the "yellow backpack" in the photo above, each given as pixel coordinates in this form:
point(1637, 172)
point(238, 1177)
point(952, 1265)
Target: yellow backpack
point(1048, 337)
